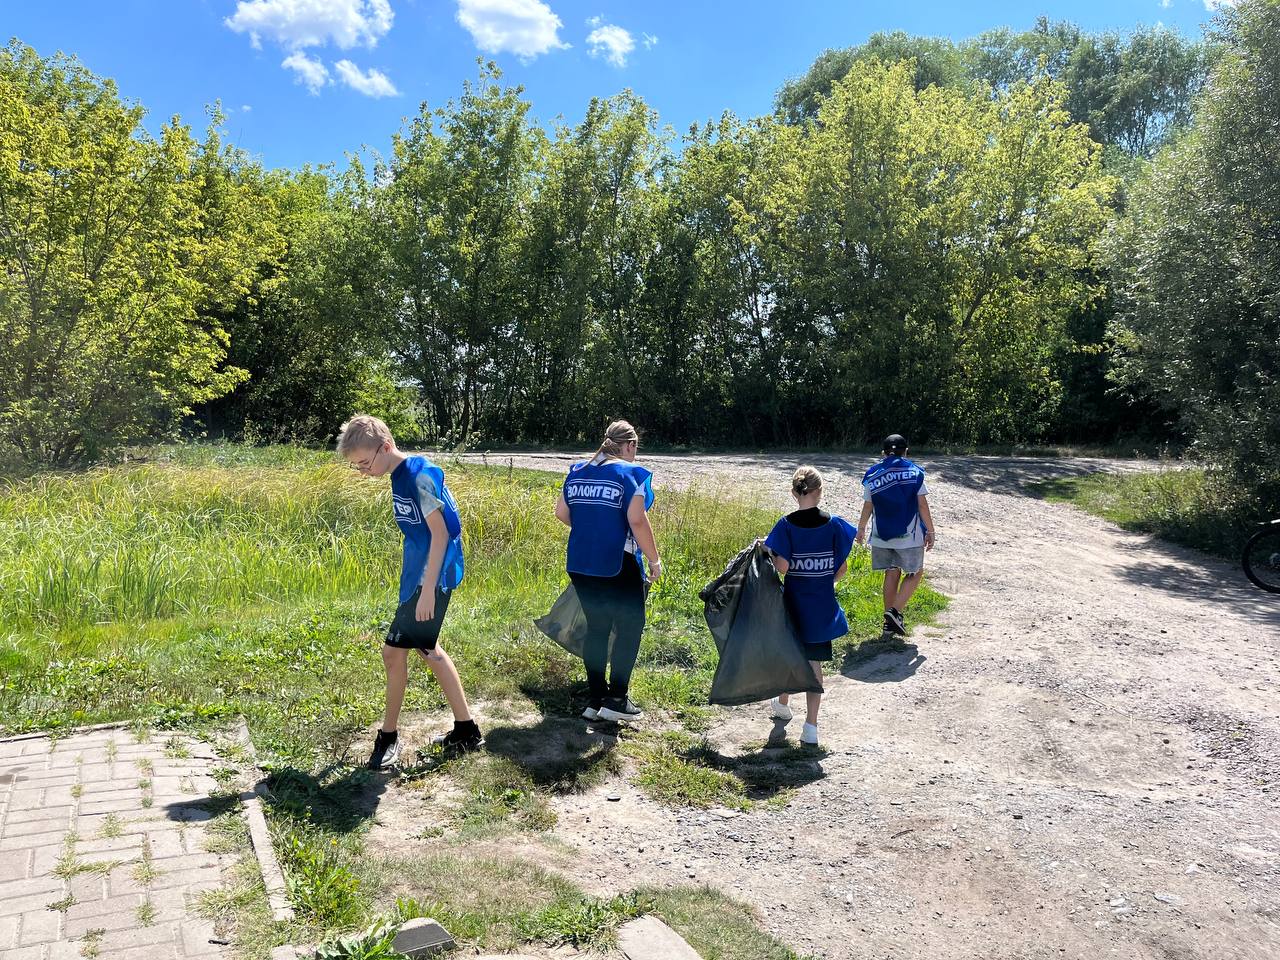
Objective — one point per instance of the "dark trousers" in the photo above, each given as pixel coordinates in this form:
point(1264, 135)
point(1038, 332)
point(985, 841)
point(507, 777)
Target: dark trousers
point(612, 605)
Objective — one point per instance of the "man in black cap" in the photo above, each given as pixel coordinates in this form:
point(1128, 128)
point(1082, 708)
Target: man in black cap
point(895, 500)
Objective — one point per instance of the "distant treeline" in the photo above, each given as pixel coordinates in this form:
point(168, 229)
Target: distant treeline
point(1049, 235)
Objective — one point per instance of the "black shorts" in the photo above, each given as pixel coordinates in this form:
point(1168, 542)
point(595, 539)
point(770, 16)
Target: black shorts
point(408, 632)
point(820, 652)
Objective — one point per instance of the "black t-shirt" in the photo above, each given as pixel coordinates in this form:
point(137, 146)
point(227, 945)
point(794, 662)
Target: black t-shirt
point(809, 517)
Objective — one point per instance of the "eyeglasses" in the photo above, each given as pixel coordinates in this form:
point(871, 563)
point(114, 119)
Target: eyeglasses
point(364, 466)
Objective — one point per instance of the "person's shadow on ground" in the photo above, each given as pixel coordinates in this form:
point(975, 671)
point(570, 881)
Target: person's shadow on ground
point(882, 661)
point(339, 797)
point(561, 753)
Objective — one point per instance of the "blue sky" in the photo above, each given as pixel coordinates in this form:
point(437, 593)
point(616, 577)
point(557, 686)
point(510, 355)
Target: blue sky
point(308, 80)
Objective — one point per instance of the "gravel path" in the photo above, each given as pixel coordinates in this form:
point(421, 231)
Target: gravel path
point(1082, 761)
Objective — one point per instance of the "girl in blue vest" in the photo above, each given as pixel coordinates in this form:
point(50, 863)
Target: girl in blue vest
point(811, 551)
point(431, 569)
point(603, 502)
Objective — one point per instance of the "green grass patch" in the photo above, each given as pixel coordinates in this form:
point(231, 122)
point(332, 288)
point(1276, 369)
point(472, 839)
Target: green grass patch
point(717, 927)
point(216, 580)
point(1187, 506)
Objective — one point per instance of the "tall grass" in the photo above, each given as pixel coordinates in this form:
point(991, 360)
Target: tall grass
point(222, 578)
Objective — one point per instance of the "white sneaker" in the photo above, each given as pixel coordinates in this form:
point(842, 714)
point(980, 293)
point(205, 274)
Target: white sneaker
point(779, 709)
point(809, 734)
point(591, 713)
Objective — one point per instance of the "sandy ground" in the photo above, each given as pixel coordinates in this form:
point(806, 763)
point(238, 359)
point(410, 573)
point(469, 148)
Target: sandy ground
point(1083, 760)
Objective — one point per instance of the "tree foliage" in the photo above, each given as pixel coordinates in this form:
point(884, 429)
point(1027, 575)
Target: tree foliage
point(1196, 262)
point(117, 249)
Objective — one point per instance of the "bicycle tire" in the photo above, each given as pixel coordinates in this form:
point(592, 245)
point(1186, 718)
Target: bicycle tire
point(1261, 558)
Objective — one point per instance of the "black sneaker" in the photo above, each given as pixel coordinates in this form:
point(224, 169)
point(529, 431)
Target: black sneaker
point(894, 622)
point(386, 751)
point(618, 709)
point(460, 739)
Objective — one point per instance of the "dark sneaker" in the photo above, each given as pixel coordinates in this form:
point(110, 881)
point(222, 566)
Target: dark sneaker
point(894, 622)
point(386, 751)
point(460, 740)
point(619, 709)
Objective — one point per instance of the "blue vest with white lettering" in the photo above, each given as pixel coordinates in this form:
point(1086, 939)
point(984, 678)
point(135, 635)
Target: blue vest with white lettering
point(894, 484)
point(813, 556)
point(417, 535)
point(598, 497)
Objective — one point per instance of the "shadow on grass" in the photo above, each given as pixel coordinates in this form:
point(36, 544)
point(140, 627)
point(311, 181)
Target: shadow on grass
point(337, 798)
point(882, 661)
point(562, 754)
point(779, 765)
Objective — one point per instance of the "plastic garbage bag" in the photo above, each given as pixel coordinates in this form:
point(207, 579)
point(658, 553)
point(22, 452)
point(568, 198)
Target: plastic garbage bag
point(566, 624)
point(760, 655)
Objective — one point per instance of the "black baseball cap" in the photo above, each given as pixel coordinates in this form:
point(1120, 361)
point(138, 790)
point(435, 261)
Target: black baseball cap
point(895, 443)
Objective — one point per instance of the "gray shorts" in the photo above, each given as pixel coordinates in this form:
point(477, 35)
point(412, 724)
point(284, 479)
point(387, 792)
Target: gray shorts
point(908, 559)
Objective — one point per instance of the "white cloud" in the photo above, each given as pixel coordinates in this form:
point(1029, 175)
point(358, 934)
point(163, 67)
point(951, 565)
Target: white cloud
point(373, 83)
point(296, 24)
point(609, 41)
point(649, 40)
point(312, 73)
point(245, 108)
point(526, 28)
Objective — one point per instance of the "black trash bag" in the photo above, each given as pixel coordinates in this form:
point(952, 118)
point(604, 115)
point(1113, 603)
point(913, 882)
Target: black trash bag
point(760, 655)
point(566, 624)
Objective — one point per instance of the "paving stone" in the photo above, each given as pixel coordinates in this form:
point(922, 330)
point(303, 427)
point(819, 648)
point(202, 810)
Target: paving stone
point(126, 903)
point(157, 933)
point(422, 937)
point(206, 878)
point(198, 935)
point(121, 848)
point(31, 828)
point(130, 803)
point(26, 841)
point(158, 951)
point(26, 799)
point(648, 938)
point(87, 887)
point(8, 932)
point(14, 865)
point(61, 813)
point(30, 887)
point(166, 844)
point(106, 922)
point(25, 953)
point(39, 926)
point(44, 859)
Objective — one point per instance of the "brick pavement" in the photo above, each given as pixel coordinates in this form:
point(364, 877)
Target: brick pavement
point(102, 850)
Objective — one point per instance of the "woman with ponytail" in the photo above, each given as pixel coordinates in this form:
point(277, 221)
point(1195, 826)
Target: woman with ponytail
point(603, 502)
point(811, 550)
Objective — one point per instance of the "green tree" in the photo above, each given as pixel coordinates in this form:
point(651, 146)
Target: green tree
point(1196, 263)
point(451, 219)
point(116, 250)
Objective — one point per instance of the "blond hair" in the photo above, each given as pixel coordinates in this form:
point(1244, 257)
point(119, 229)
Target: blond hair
point(619, 433)
point(805, 481)
point(362, 432)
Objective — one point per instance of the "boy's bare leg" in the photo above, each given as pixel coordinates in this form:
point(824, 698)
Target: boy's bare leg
point(446, 675)
point(908, 587)
point(892, 577)
point(396, 661)
point(813, 700)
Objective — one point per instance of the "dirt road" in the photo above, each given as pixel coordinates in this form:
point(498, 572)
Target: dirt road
point(1082, 761)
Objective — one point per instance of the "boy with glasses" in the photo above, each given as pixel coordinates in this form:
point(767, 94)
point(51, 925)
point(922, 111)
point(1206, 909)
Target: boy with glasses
point(431, 569)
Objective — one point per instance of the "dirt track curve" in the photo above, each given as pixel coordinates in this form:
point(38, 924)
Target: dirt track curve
point(1082, 761)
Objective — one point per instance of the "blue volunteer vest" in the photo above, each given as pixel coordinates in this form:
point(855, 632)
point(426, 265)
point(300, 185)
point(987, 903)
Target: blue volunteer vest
point(813, 556)
point(417, 535)
point(894, 484)
point(598, 497)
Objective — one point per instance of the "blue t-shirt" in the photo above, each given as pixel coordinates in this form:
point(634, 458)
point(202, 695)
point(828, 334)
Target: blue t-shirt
point(598, 496)
point(813, 556)
point(418, 489)
point(892, 486)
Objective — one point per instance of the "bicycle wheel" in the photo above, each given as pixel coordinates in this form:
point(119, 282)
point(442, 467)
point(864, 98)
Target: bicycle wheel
point(1262, 558)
